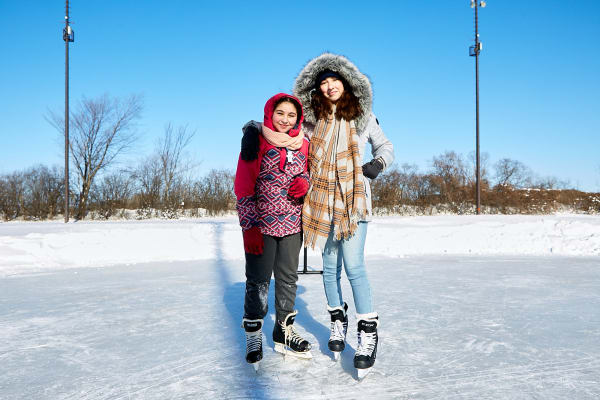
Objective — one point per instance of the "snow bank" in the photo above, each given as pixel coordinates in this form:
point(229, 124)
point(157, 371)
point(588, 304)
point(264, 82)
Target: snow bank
point(40, 246)
point(572, 235)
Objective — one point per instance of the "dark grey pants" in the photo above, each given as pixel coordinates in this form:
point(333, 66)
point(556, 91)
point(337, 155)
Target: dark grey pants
point(279, 257)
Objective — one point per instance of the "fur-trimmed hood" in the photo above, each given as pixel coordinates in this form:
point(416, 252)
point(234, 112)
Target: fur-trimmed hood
point(361, 86)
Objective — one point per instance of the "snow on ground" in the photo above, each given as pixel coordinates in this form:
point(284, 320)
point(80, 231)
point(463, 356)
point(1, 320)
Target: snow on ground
point(478, 307)
point(30, 247)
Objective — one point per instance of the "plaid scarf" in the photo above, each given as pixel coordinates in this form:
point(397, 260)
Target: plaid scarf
point(337, 192)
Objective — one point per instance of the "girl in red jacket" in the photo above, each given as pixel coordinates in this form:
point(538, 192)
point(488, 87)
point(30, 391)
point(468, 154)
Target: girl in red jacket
point(270, 184)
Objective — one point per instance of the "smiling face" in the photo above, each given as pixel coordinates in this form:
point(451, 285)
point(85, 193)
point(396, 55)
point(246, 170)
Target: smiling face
point(332, 88)
point(284, 117)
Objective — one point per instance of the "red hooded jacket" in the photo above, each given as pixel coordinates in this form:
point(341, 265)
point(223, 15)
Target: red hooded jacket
point(261, 185)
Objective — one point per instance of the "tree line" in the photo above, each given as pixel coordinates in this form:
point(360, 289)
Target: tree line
point(507, 187)
point(163, 184)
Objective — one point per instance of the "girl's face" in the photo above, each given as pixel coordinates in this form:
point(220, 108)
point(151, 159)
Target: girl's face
point(284, 117)
point(332, 88)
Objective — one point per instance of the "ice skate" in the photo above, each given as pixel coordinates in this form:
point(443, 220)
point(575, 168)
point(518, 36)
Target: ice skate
point(288, 341)
point(253, 329)
point(364, 359)
point(338, 329)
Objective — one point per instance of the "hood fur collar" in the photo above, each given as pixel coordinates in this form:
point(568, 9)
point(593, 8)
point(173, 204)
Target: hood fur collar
point(361, 86)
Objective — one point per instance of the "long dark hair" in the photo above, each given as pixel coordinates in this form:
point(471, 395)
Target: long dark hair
point(347, 107)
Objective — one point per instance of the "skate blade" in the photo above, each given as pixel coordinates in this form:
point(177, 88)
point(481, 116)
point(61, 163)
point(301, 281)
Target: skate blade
point(281, 349)
point(336, 355)
point(256, 365)
point(362, 373)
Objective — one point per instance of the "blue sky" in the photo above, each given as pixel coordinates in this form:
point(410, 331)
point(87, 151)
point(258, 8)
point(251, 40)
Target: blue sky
point(212, 65)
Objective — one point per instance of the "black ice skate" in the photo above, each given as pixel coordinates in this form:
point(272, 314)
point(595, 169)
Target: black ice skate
point(253, 329)
point(338, 329)
point(367, 343)
point(288, 341)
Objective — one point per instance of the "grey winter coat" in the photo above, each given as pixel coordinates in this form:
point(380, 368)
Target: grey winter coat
point(367, 126)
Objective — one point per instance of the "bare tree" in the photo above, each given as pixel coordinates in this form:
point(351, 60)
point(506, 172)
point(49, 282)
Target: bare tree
point(551, 183)
point(215, 191)
point(410, 182)
point(44, 191)
point(512, 173)
point(112, 193)
point(484, 160)
point(103, 128)
point(12, 195)
point(396, 186)
point(170, 152)
point(450, 175)
point(147, 177)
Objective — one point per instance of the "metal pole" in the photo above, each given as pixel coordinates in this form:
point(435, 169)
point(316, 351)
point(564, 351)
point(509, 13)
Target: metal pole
point(305, 261)
point(305, 270)
point(66, 39)
point(477, 183)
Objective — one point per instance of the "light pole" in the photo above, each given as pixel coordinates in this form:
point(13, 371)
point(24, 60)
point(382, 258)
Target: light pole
point(474, 52)
point(68, 36)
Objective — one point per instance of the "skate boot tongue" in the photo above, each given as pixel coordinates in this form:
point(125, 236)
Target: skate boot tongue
point(252, 326)
point(337, 315)
point(367, 326)
point(289, 321)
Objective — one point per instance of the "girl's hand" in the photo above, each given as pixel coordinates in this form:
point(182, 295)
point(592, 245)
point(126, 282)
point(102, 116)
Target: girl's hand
point(298, 188)
point(250, 142)
point(372, 168)
point(253, 241)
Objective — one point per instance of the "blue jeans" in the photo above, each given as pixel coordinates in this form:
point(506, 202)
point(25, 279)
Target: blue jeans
point(350, 253)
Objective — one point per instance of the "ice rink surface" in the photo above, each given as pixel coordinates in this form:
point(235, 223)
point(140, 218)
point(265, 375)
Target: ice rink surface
point(452, 327)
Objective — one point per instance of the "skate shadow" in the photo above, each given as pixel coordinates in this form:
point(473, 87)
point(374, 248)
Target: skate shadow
point(321, 333)
point(347, 361)
point(233, 301)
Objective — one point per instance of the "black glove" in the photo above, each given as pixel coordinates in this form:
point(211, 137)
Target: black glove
point(250, 143)
point(372, 168)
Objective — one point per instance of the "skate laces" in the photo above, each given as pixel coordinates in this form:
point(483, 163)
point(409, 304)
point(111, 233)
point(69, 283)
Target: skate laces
point(291, 336)
point(338, 330)
point(366, 343)
point(253, 341)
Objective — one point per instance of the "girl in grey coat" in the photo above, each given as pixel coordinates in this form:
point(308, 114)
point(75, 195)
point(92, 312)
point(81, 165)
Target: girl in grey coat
point(338, 100)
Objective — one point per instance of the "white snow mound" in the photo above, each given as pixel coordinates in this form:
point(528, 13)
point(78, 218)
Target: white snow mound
point(41, 246)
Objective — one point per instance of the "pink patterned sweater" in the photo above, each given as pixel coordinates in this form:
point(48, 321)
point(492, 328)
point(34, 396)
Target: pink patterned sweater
point(270, 207)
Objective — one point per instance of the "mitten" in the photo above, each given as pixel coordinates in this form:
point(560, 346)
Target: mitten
point(298, 188)
point(253, 241)
point(372, 168)
point(250, 142)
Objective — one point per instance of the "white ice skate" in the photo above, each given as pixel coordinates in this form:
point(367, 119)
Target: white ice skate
point(338, 329)
point(364, 359)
